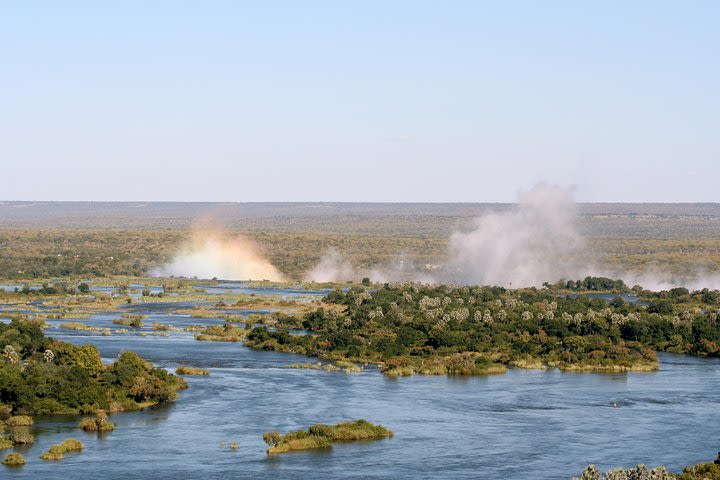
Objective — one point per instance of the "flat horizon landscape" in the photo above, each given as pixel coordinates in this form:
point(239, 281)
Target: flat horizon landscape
point(360, 240)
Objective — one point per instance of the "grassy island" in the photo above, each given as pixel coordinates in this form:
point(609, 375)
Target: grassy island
point(39, 375)
point(441, 329)
point(323, 436)
point(185, 370)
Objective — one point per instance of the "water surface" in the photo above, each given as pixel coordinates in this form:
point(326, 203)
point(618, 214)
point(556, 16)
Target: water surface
point(521, 425)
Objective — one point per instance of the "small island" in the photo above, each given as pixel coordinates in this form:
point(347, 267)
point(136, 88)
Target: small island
point(323, 436)
point(187, 370)
point(39, 375)
point(408, 329)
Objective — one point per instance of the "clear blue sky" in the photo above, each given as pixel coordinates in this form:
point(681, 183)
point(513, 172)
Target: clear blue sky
point(359, 101)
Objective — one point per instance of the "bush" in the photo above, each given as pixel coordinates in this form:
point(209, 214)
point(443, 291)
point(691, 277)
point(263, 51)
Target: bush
point(322, 436)
point(21, 435)
point(19, 421)
point(56, 452)
point(100, 423)
point(185, 370)
point(14, 459)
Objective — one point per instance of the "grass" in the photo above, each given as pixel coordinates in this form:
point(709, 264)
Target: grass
point(185, 370)
point(323, 436)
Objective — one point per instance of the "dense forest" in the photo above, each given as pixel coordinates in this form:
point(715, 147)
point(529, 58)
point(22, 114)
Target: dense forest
point(39, 375)
point(472, 330)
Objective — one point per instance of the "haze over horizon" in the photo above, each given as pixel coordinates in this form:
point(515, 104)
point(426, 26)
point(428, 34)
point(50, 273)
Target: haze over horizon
point(404, 101)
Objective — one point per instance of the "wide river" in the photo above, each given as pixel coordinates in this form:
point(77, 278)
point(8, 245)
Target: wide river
point(521, 425)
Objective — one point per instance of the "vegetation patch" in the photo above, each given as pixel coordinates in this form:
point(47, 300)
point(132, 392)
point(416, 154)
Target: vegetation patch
point(56, 452)
point(411, 329)
point(19, 421)
point(14, 459)
point(100, 423)
point(39, 375)
point(185, 370)
point(130, 320)
point(322, 436)
point(221, 333)
point(701, 471)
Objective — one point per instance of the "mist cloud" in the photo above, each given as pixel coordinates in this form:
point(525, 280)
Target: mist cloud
point(332, 267)
point(536, 242)
point(212, 253)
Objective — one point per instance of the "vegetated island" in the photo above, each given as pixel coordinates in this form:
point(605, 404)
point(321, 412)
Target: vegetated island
point(186, 370)
point(323, 436)
point(443, 329)
point(701, 471)
point(39, 375)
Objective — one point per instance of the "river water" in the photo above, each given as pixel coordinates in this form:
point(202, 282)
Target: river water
point(521, 425)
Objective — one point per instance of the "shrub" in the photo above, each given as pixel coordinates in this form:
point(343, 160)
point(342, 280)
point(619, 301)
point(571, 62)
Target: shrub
point(100, 423)
point(14, 459)
point(22, 436)
point(51, 456)
point(56, 452)
point(69, 445)
point(185, 370)
point(19, 421)
point(322, 436)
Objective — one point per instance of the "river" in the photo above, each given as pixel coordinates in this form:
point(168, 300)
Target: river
point(522, 425)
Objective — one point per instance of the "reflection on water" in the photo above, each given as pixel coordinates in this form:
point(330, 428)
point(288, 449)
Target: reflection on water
point(521, 425)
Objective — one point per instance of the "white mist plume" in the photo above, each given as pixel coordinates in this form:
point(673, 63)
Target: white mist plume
point(332, 267)
point(535, 242)
point(335, 267)
point(214, 254)
point(656, 280)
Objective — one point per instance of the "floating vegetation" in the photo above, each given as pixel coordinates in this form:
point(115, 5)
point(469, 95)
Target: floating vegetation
point(322, 436)
point(185, 370)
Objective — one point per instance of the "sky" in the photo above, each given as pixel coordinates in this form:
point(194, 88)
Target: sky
point(389, 100)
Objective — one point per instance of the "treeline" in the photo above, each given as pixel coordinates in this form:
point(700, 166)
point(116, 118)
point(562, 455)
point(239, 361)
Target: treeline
point(595, 284)
point(33, 254)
